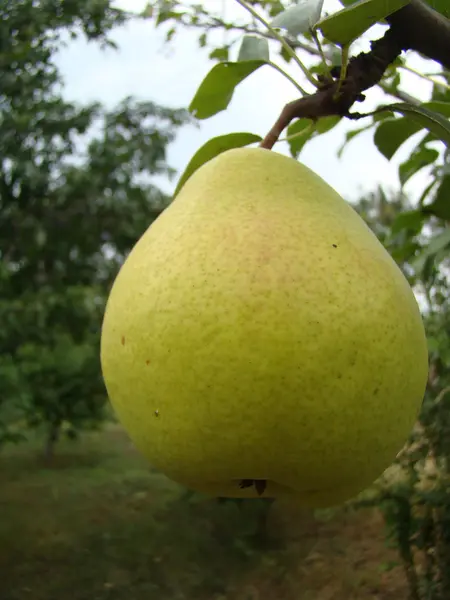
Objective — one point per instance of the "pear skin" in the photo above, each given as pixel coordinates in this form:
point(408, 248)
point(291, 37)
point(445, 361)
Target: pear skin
point(259, 330)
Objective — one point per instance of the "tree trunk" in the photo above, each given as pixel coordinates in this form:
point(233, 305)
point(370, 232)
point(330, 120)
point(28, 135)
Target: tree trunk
point(51, 440)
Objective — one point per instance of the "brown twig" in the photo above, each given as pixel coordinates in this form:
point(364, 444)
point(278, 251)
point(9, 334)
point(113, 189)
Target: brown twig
point(415, 26)
point(418, 27)
point(364, 71)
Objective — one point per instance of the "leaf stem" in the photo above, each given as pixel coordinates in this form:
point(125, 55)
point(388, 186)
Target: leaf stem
point(305, 132)
point(425, 76)
point(288, 77)
point(282, 41)
point(344, 65)
point(313, 32)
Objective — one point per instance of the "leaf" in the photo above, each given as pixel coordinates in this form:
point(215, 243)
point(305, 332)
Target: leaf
point(347, 25)
point(299, 18)
point(440, 93)
point(285, 54)
point(212, 148)
point(216, 90)
point(254, 48)
point(275, 7)
point(165, 15)
point(442, 6)
point(438, 242)
point(411, 220)
point(381, 116)
point(435, 122)
point(221, 54)
point(296, 143)
point(304, 125)
point(421, 157)
point(429, 116)
point(440, 207)
point(324, 124)
point(393, 132)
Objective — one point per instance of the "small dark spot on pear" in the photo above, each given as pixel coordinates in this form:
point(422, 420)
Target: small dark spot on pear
point(245, 483)
point(334, 245)
point(260, 485)
point(123, 340)
point(156, 413)
point(147, 362)
point(375, 391)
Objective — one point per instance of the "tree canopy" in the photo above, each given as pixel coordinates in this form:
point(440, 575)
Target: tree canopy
point(76, 192)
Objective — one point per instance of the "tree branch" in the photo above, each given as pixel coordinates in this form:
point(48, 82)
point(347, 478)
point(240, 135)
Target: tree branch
point(415, 26)
point(211, 22)
point(419, 27)
point(363, 72)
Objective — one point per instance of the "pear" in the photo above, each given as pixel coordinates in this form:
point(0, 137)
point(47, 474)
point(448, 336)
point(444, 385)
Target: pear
point(259, 339)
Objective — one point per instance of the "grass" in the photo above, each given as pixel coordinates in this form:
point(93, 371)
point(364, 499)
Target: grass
point(100, 524)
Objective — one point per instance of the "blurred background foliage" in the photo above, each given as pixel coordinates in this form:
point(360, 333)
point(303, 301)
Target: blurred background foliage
point(75, 194)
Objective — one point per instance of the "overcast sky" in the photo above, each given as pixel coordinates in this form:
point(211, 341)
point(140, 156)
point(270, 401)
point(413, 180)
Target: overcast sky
point(149, 70)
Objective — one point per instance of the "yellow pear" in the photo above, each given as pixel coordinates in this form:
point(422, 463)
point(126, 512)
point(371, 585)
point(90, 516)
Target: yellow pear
point(259, 340)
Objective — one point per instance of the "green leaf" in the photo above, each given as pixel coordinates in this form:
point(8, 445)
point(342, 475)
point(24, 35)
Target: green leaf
point(275, 7)
point(426, 192)
point(347, 25)
point(285, 54)
point(221, 54)
point(216, 90)
point(213, 148)
point(380, 116)
point(392, 133)
point(254, 48)
point(442, 6)
point(295, 129)
point(439, 242)
point(299, 18)
point(429, 116)
point(165, 15)
point(435, 122)
point(421, 157)
point(411, 220)
point(326, 123)
point(440, 207)
point(304, 125)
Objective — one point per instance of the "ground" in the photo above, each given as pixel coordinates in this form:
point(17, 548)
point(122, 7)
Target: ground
point(100, 524)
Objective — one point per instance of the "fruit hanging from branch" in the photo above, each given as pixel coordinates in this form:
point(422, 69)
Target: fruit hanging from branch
point(276, 340)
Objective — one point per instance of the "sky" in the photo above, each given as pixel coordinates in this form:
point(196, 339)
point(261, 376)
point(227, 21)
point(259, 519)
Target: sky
point(148, 69)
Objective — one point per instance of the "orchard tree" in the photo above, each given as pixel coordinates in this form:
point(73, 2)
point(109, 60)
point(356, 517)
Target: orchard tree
point(75, 194)
point(318, 39)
